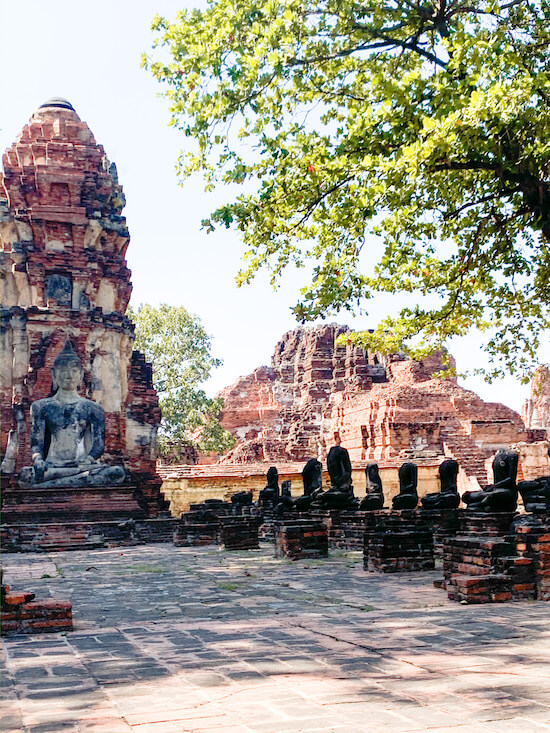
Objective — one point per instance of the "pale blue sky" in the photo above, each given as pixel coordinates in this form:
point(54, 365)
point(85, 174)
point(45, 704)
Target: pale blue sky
point(90, 54)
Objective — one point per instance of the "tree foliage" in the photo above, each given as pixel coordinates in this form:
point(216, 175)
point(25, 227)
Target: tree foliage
point(179, 349)
point(416, 129)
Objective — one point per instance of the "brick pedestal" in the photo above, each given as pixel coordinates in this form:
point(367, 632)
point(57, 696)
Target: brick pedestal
point(350, 534)
point(239, 533)
point(533, 543)
point(481, 564)
point(542, 567)
point(194, 534)
point(443, 523)
point(397, 541)
point(487, 524)
point(345, 529)
point(219, 508)
point(471, 568)
point(267, 528)
point(301, 538)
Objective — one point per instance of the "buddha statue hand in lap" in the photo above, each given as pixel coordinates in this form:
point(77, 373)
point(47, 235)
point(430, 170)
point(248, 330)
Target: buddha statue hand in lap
point(68, 434)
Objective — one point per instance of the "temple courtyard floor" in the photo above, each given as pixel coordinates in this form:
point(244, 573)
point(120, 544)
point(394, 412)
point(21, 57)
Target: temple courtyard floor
point(173, 639)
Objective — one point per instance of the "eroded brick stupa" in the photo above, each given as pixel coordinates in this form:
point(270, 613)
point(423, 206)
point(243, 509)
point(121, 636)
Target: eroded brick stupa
point(385, 408)
point(65, 285)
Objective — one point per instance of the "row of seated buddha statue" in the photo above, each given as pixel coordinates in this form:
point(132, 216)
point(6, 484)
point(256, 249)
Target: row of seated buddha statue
point(501, 495)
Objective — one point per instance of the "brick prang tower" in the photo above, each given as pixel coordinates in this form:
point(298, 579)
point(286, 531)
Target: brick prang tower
point(64, 276)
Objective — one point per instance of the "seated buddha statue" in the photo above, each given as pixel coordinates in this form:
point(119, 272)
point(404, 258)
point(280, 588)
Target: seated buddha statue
point(68, 434)
point(374, 498)
point(312, 478)
point(408, 480)
point(502, 495)
point(285, 503)
point(340, 495)
point(448, 497)
point(270, 494)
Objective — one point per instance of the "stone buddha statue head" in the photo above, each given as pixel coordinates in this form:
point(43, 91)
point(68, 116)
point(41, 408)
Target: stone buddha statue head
point(67, 370)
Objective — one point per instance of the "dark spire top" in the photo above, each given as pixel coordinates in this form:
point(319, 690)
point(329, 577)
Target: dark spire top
point(58, 102)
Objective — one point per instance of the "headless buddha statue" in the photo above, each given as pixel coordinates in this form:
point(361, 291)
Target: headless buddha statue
point(448, 497)
point(270, 493)
point(374, 498)
point(340, 495)
point(502, 495)
point(285, 503)
point(68, 434)
point(312, 477)
point(536, 493)
point(408, 495)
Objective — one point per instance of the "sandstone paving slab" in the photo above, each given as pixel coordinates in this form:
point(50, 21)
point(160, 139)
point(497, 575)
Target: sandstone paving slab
point(181, 639)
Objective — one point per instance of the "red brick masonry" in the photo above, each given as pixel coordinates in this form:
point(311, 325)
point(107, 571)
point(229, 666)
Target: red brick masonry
point(19, 615)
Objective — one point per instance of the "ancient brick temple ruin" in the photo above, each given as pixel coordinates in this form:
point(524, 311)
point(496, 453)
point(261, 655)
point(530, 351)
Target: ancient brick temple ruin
point(384, 408)
point(536, 409)
point(64, 278)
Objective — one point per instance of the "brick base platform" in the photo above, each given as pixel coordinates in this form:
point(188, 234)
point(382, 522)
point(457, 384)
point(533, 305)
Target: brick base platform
point(443, 523)
point(83, 503)
point(239, 533)
point(267, 528)
point(492, 524)
point(349, 535)
point(301, 538)
point(397, 541)
point(345, 529)
point(209, 524)
point(49, 537)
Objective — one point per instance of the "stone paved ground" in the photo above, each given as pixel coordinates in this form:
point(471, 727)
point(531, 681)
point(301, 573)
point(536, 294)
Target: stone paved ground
point(183, 639)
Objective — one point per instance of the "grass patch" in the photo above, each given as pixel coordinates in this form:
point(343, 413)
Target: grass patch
point(229, 586)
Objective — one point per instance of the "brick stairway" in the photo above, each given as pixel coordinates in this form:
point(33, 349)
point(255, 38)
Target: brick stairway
point(463, 449)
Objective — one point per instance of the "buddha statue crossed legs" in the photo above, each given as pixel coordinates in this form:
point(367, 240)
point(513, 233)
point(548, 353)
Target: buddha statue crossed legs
point(68, 434)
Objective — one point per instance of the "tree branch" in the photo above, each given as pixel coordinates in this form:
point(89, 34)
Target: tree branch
point(483, 200)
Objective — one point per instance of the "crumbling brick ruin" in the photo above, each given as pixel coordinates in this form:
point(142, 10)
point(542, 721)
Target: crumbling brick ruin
point(380, 408)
